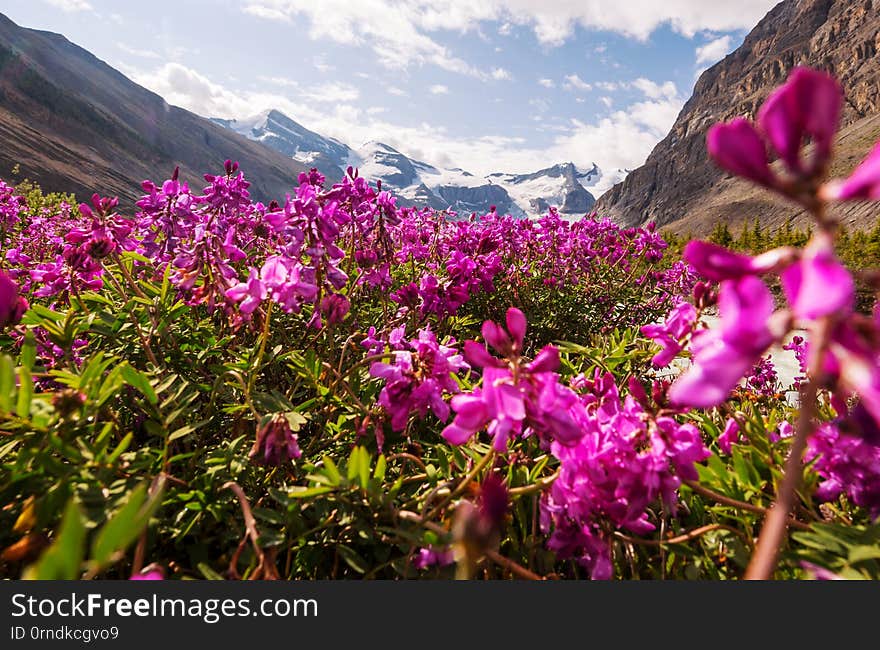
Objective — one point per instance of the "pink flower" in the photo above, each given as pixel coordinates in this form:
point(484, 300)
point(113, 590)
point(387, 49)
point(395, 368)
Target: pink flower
point(721, 356)
point(276, 443)
point(418, 378)
point(806, 106)
point(12, 305)
point(846, 464)
point(626, 461)
point(717, 263)
point(250, 294)
point(515, 396)
point(729, 436)
point(862, 184)
point(335, 307)
point(737, 147)
point(678, 324)
point(427, 557)
point(818, 284)
point(150, 572)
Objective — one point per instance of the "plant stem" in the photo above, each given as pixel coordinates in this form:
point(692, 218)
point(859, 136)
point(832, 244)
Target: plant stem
point(773, 532)
point(736, 503)
point(264, 336)
point(462, 486)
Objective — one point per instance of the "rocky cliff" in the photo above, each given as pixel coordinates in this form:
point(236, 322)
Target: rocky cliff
point(679, 187)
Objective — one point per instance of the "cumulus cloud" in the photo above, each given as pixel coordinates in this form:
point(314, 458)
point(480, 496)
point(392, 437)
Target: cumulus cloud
point(547, 83)
point(654, 90)
point(332, 92)
point(142, 53)
point(500, 74)
point(439, 89)
point(714, 50)
point(402, 33)
point(574, 82)
point(70, 6)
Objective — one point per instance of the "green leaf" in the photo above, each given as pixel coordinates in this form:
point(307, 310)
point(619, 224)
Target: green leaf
point(207, 572)
point(379, 472)
point(7, 383)
point(301, 492)
point(25, 392)
point(125, 526)
point(352, 558)
point(115, 533)
point(332, 471)
point(353, 463)
point(862, 553)
point(63, 560)
point(29, 350)
point(140, 381)
point(120, 448)
point(186, 430)
point(37, 314)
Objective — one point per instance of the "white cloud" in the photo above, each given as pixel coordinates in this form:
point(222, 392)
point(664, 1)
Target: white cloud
point(321, 64)
point(133, 51)
point(713, 50)
point(279, 81)
point(184, 87)
point(547, 83)
point(500, 74)
point(653, 90)
point(574, 82)
point(332, 92)
point(375, 110)
point(439, 89)
point(540, 104)
point(607, 101)
point(395, 90)
point(70, 6)
point(402, 32)
point(397, 34)
point(608, 86)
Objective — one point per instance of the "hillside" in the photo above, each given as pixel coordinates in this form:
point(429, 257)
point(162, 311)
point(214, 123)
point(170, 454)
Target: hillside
point(75, 124)
point(680, 188)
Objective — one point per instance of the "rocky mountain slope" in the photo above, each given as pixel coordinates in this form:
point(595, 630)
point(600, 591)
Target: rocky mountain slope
point(75, 124)
point(679, 187)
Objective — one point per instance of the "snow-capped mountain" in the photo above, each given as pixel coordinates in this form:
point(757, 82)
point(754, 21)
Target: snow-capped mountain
point(423, 184)
point(277, 131)
point(563, 186)
point(560, 186)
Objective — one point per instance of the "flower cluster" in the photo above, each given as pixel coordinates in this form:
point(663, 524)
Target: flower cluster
point(626, 460)
point(418, 378)
point(516, 397)
point(846, 464)
point(763, 380)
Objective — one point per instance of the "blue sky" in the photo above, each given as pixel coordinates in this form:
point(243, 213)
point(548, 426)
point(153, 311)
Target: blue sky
point(487, 85)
